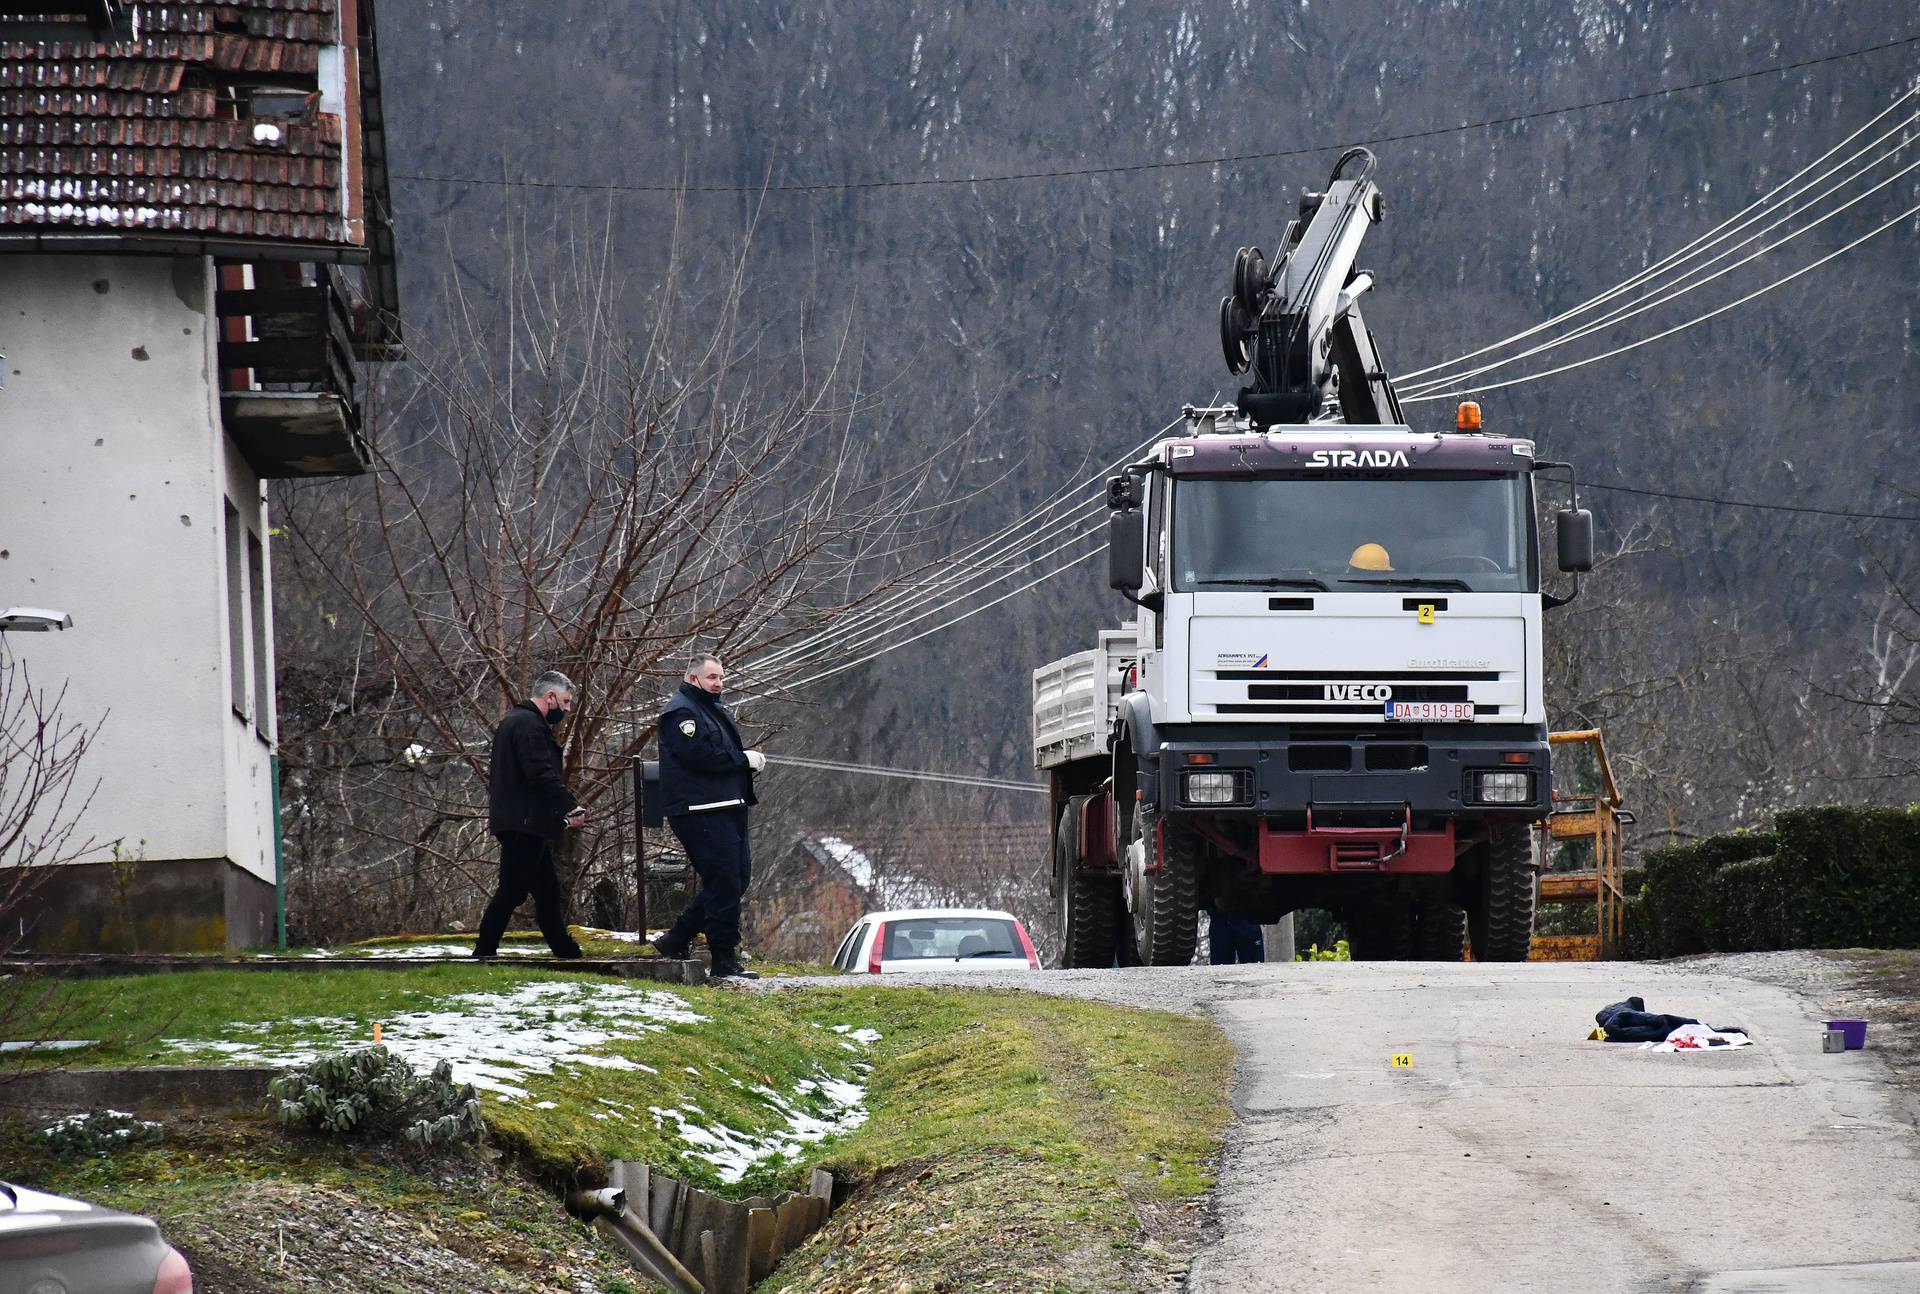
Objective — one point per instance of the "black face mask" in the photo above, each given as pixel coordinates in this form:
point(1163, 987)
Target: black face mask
point(555, 714)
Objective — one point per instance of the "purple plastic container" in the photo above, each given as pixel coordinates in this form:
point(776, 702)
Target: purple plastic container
point(1855, 1032)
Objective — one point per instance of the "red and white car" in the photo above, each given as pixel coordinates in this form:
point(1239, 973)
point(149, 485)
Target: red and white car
point(942, 939)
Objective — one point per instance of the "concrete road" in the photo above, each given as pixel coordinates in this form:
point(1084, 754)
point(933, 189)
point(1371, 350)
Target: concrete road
point(1515, 1156)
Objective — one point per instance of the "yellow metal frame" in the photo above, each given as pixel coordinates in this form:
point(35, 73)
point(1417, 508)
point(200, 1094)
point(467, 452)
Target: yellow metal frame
point(1594, 816)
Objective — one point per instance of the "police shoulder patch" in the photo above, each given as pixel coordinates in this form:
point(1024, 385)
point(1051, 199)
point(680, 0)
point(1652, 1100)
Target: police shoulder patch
point(687, 727)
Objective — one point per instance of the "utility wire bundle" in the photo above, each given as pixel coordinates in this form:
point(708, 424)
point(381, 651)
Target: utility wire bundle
point(1812, 196)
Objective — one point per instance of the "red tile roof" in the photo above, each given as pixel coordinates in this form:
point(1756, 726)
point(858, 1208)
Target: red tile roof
point(147, 135)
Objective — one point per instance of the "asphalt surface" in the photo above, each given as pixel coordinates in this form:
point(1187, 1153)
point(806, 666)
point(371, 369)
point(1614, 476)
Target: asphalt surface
point(1515, 1155)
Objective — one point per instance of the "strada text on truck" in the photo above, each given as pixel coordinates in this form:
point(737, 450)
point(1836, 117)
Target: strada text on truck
point(1332, 694)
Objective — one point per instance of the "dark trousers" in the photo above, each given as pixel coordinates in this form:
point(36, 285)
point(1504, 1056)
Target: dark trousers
point(526, 868)
point(1234, 939)
point(716, 843)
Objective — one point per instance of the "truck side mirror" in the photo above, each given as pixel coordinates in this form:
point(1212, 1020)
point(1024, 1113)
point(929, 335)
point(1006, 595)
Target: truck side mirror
point(1126, 552)
point(1575, 529)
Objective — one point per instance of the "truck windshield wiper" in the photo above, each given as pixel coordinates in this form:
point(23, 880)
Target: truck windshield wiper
point(1409, 582)
point(990, 952)
point(1271, 582)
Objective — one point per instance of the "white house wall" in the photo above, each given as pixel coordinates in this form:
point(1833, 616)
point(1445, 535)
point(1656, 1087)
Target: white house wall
point(112, 509)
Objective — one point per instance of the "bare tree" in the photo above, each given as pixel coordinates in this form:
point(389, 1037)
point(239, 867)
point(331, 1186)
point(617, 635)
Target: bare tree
point(43, 798)
point(554, 490)
point(42, 795)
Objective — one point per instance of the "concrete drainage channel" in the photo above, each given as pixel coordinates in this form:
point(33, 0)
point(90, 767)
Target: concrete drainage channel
point(684, 1238)
point(693, 1242)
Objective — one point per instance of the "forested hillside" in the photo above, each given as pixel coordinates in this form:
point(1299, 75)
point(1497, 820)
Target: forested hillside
point(1045, 325)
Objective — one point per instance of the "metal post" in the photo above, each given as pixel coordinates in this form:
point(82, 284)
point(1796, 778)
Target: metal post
point(640, 847)
point(1279, 939)
point(279, 861)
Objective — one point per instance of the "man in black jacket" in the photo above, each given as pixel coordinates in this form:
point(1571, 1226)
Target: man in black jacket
point(528, 807)
point(706, 780)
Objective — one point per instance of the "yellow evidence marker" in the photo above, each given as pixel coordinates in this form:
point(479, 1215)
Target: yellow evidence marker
point(1426, 613)
point(1400, 1060)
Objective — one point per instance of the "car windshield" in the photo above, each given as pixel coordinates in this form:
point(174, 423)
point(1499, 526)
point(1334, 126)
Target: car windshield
point(1467, 533)
point(950, 938)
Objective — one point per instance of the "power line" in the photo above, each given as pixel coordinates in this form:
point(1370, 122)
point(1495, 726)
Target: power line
point(1696, 277)
point(890, 613)
point(1908, 214)
point(1731, 225)
point(1222, 159)
point(910, 774)
point(945, 624)
point(1749, 503)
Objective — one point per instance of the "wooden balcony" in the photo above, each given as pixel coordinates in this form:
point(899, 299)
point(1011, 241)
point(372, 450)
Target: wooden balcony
point(289, 381)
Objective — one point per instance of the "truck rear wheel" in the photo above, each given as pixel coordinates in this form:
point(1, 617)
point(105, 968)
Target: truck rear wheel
point(1501, 921)
point(1439, 930)
point(1164, 902)
point(1087, 906)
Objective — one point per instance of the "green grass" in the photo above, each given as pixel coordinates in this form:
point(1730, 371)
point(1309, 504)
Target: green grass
point(1043, 1136)
point(1018, 1142)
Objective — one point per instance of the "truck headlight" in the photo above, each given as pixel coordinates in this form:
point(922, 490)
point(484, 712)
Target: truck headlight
point(1211, 788)
point(1506, 787)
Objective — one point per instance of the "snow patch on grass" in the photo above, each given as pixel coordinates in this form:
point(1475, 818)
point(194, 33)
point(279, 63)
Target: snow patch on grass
point(493, 1040)
point(814, 1112)
point(408, 952)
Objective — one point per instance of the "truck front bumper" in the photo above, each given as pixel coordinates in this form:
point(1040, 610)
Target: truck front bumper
point(1377, 800)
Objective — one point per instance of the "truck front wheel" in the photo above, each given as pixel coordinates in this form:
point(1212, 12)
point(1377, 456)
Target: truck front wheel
point(1162, 870)
point(1501, 918)
point(1087, 906)
point(1439, 930)
point(1380, 929)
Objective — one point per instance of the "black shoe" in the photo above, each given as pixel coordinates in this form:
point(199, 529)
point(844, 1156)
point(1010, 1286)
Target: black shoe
point(670, 949)
point(479, 956)
point(730, 969)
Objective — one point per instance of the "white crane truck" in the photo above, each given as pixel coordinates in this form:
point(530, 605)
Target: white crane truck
point(1331, 694)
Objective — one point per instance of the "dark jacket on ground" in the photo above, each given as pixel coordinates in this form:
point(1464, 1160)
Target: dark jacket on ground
point(702, 763)
point(1630, 1021)
point(525, 790)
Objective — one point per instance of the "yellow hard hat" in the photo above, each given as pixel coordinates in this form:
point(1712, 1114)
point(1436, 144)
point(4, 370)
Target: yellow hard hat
point(1370, 557)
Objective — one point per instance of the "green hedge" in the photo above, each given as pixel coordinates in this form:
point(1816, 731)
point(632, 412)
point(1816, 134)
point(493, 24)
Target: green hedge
point(1675, 909)
point(1831, 877)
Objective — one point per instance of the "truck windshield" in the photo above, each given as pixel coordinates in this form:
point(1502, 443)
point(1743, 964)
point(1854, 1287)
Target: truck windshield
point(1465, 533)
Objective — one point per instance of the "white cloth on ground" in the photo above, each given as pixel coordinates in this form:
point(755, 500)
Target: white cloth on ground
point(1698, 1037)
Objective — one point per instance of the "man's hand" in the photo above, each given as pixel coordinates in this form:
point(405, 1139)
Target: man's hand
point(578, 818)
point(755, 760)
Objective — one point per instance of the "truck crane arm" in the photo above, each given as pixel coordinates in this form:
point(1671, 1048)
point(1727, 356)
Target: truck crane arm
point(1297, 325)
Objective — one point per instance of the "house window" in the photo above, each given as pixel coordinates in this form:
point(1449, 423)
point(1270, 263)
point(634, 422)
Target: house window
point(263, 709)
point(237, 678)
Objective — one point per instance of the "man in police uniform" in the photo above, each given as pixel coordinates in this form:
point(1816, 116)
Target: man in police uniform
point(706, 781)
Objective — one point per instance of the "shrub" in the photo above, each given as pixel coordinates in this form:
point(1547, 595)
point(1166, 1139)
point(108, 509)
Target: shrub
point(1678, 909)
point(1858, 873)
point(100, 1132)
point(372, 1093)
point(1315, 953)
point(1758, 904)
point(1831, 877)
